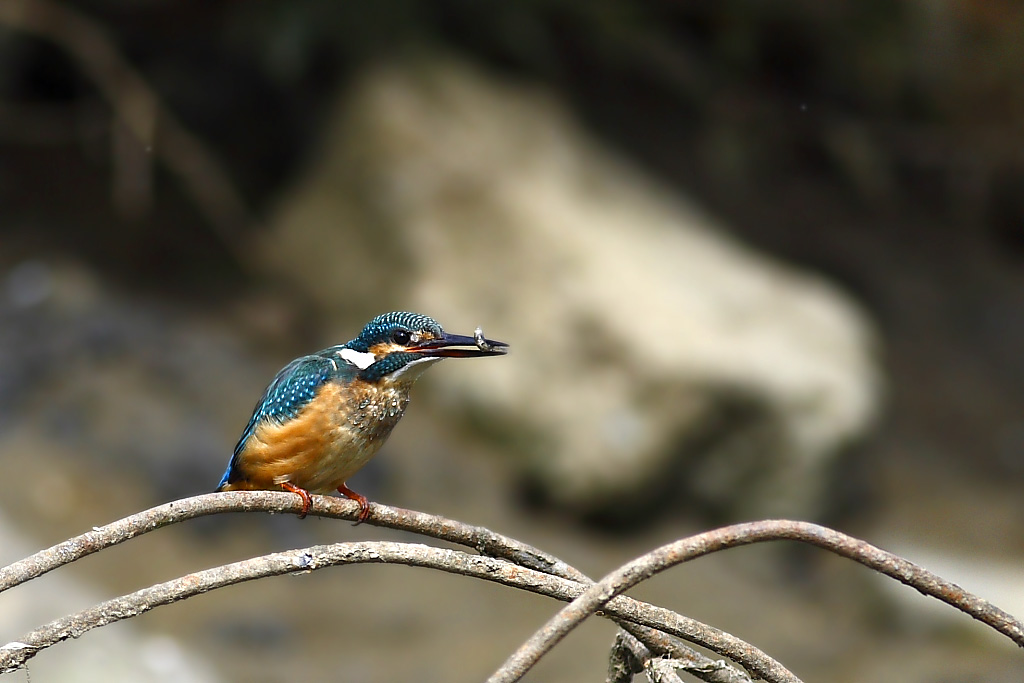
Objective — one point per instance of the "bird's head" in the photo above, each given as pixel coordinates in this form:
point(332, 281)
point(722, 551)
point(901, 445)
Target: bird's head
point(399, 345)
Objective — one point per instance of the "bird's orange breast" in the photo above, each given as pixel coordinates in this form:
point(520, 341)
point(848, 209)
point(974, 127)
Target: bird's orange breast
point(330, 439)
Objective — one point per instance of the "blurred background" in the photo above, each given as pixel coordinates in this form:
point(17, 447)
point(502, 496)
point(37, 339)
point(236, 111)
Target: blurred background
point(754, 260)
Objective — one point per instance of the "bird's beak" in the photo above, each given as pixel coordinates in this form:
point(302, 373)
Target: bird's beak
point(460, 346)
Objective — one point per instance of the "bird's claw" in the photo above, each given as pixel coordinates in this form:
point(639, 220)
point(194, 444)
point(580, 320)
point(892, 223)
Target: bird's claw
point(307, 500)
point(364, 504)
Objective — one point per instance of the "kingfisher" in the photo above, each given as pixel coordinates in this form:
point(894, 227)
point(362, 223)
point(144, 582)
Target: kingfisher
point(324, 416)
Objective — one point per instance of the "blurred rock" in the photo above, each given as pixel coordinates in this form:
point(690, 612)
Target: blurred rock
point(652, 354)
point(130, 382)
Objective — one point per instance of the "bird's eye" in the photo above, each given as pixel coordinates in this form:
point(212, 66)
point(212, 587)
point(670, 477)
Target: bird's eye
point(400, 337)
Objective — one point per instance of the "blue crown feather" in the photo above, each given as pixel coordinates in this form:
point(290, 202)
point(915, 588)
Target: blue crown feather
point(380, 328)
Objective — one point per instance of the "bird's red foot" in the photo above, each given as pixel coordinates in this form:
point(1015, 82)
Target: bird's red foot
point(307, 501)
point(364, 505)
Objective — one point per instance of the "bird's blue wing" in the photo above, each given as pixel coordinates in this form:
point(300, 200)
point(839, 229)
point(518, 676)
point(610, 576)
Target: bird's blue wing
point(290, 390)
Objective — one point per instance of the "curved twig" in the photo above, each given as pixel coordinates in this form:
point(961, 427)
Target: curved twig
point(480, 539)
point(686, 549)
point(15, 654)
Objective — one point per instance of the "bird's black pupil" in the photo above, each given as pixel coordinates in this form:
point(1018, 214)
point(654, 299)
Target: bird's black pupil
point(400, 336)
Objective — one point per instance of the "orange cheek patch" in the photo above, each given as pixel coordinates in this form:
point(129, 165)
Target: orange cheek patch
point(384, 348)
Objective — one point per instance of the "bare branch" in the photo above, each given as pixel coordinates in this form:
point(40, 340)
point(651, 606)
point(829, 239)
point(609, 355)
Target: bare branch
point(686, 549)
point(637, 618)
point(14, 655)
point(629, 656)
point(658, 644)
point(482, 540)
point(625, 659)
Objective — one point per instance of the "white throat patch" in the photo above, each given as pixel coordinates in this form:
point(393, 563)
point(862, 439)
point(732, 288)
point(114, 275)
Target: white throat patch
point(414, 369)
point(360, 359)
